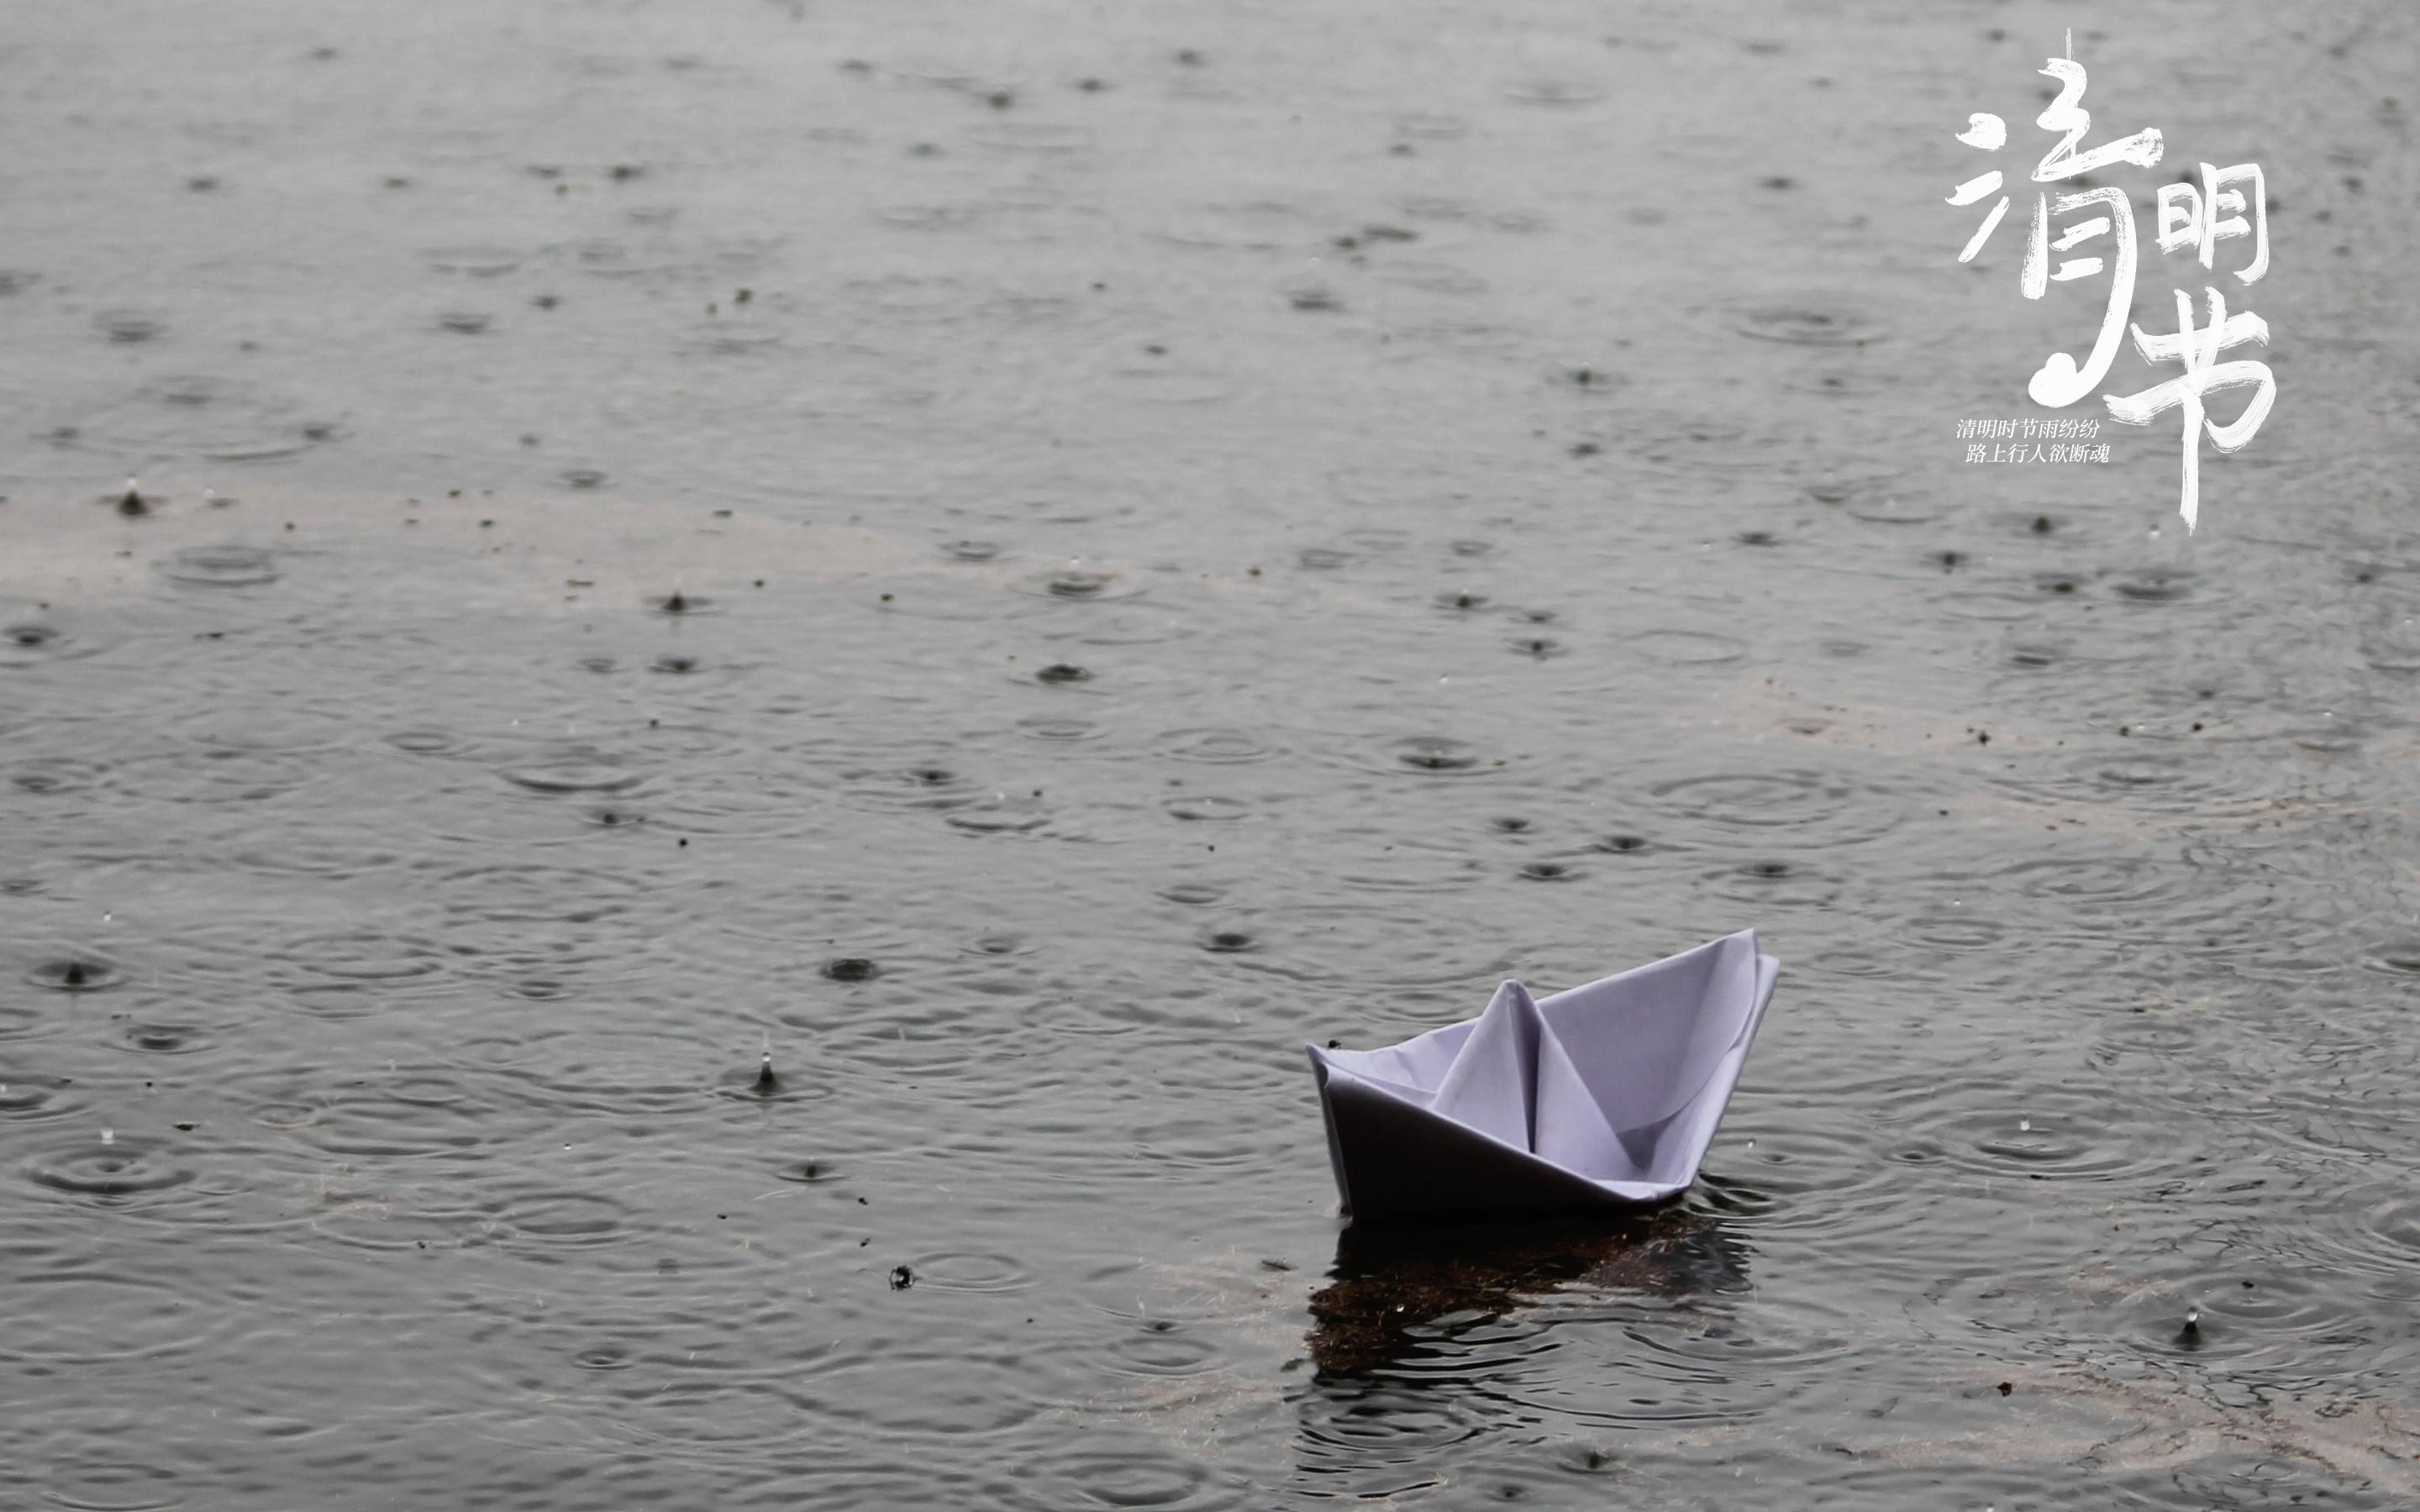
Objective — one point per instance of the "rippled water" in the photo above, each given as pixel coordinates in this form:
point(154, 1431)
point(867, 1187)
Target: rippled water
point(1025, 562)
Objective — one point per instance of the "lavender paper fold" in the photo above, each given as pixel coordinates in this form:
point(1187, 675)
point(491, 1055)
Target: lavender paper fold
point(1608, 1093)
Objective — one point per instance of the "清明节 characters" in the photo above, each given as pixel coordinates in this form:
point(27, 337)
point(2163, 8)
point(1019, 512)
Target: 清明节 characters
point(2227, 204)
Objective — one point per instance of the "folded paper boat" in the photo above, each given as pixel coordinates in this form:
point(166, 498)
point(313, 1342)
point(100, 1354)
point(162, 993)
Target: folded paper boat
point(1603, 1095)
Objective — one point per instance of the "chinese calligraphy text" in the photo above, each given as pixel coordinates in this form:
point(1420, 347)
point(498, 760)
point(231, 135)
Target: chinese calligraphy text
point(2194, 214)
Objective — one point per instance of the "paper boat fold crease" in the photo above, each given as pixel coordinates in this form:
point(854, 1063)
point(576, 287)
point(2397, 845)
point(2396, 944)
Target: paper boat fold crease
point(1607, 1094)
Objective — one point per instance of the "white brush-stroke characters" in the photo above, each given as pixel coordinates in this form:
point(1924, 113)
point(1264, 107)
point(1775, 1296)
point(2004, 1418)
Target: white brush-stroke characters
point(2227, 204)
point(2190, 216)
point(2060, 381)
point(2199, 350)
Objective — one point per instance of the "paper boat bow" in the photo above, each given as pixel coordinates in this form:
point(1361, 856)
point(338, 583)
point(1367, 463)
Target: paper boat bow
point(1604, 1094)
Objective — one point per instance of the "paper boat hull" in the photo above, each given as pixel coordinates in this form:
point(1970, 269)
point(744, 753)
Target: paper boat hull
point(1653, 1055)
point(1394, 1161)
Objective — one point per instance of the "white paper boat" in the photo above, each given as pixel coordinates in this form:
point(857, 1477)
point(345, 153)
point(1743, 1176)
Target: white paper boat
point(1607, 1095)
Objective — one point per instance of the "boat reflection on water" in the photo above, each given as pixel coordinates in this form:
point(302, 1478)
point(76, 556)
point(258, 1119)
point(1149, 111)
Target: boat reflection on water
point(1392, 1280)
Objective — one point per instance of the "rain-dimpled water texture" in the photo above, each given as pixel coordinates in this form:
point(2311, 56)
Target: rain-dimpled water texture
point(1022, 561)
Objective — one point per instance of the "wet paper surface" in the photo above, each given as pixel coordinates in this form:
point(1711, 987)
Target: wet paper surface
point(1603, 1095)
point(1027, 564)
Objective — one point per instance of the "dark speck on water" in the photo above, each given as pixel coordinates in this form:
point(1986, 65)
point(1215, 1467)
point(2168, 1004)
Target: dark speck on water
point(74, 975)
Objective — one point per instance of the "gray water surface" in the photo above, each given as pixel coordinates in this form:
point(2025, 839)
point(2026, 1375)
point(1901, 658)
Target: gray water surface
point(1027, 559)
